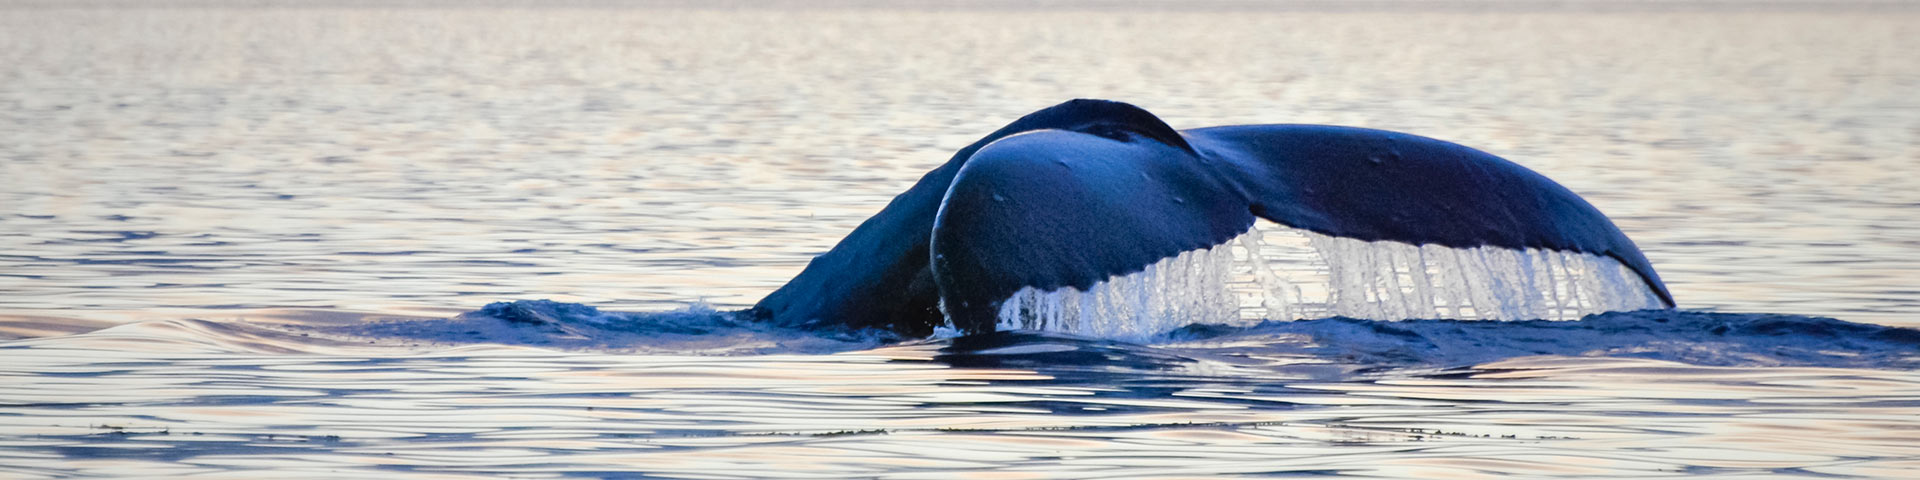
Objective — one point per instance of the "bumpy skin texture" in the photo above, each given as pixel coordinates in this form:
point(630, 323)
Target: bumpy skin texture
point(1088, 189)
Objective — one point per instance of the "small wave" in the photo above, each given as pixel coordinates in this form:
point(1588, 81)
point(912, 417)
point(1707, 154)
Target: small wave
point(694, 329)
point(186, 336)
point(1699, 338)
point(1691, 337)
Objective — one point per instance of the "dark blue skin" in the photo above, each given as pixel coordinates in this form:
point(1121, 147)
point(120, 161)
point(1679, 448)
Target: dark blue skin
point(1088, 189)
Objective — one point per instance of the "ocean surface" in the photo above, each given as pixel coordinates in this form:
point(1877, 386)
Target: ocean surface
point(444, 241)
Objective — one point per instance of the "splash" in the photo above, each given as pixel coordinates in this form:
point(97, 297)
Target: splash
point(1280, 273)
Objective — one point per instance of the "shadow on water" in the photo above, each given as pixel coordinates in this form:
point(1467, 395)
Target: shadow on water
point(1029, 349)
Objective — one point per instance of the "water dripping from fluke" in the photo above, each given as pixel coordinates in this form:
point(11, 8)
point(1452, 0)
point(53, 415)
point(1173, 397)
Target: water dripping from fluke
point(1273, 272)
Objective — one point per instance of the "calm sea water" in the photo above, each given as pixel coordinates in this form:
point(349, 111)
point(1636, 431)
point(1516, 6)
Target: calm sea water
point(207, 213)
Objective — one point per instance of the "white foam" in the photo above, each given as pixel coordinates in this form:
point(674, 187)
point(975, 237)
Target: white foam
point(1281, 273)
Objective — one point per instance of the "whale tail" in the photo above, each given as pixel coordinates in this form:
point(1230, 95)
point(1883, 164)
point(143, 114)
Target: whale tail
point(1087, 191)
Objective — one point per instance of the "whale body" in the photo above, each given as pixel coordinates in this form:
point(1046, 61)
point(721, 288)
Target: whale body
point(1088, 190)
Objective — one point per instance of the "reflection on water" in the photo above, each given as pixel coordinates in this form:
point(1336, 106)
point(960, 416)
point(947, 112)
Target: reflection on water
point(916, 411)
point(319, 170)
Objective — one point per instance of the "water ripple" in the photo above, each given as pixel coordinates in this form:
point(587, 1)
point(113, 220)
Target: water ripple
point(240, 240)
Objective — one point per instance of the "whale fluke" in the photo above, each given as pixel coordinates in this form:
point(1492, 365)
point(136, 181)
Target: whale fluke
point(1090, 190)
